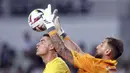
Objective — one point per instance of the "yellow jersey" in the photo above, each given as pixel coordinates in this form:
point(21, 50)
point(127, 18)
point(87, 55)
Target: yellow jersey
point(89, 64)
point(57, 65)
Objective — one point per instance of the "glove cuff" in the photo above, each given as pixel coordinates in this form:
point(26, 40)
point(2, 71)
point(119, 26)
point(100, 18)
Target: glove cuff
point(51, 30)
point(60, 32)
point(64, 36)
point(48, 24)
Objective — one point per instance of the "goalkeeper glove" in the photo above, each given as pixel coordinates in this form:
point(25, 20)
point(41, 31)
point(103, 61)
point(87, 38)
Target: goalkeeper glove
point(59, 29)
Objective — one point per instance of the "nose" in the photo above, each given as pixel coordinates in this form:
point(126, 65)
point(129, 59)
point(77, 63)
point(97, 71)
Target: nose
point(97, 46)
point(37, 45)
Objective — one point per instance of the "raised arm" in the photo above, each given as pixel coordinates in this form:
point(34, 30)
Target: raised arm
point(57, 41)
point(70, 44)
point(60, 47)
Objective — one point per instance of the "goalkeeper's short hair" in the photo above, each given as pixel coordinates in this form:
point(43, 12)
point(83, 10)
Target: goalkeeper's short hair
point(116, 45)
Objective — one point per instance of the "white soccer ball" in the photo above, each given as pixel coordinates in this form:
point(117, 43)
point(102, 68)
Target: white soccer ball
point(35, 18)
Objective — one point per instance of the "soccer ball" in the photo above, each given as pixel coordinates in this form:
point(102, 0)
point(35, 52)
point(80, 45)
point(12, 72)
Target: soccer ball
point(35, 18)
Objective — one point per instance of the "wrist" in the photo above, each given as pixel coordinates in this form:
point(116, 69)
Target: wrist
point(64, 36)
point(60, 31)
point(51, 31)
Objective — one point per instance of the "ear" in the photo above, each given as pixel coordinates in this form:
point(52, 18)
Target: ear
point(51, 47)
point(108, 52)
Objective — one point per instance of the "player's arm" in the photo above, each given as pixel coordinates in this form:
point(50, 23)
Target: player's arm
point(70, 44)
point(60, 47)
point(56, 40)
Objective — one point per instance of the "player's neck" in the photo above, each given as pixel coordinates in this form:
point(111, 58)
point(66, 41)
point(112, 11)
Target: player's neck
point(106, 57)
point(49, 57)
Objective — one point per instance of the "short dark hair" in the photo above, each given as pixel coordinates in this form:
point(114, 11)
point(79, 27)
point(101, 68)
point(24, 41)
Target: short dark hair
point(47, 35)
point(117, 46)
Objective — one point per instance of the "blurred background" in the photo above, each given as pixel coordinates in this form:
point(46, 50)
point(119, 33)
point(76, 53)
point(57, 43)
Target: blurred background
point(87, 22)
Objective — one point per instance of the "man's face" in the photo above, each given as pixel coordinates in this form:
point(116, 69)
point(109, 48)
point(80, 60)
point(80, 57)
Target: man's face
point(102, 49)
point(43, 46)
